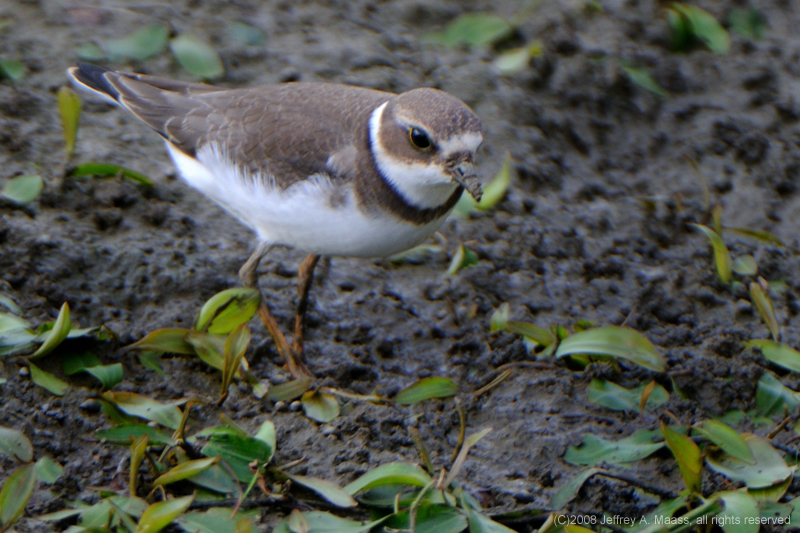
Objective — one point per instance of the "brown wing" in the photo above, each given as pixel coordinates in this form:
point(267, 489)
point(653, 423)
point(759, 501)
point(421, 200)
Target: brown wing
point(291, 130)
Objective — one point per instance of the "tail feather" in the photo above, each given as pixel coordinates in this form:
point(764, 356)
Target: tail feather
point(162, 104)
point(94, 79)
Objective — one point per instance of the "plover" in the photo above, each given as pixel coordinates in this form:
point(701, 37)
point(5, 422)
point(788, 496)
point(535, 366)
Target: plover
point(327, 169)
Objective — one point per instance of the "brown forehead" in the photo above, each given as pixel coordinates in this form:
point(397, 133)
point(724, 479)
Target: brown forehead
point(441, 114)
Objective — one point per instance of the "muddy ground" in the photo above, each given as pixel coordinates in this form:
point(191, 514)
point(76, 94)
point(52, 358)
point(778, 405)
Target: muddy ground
point(572, 240)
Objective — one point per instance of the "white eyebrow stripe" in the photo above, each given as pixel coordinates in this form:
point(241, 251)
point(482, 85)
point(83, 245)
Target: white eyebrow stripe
point(465, 142)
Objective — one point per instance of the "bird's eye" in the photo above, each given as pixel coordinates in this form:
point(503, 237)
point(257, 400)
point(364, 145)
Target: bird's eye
point(419, 138)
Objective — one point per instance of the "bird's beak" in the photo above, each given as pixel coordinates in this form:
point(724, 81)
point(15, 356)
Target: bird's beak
point(466, 175)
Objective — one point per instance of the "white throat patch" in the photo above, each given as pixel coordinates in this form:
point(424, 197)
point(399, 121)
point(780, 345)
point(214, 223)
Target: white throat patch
point(422, 185)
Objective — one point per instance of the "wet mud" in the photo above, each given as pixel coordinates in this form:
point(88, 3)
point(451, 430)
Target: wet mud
point(606, 180)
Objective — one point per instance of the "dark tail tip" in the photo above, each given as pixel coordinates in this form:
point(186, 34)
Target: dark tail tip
point(94, 77)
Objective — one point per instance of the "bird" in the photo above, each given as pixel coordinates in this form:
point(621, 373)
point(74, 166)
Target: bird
point(324, 168)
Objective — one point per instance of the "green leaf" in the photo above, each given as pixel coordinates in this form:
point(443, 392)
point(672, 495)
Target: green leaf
point(517, 59)
point(48, 381)
point(151, 361)
point(772, 395)
point(461, 458)
point(246, 34)
point(122, 516)
point(418, 254)
point(390, 474)
point(722, 257)
point(640, 76)
point(107, 169)
point(794, 518)
point(197, 57)
point(238, 452)
point(726, 438)
point(235, 347)
point(289, 390)
point(773, 493)
point(266, 434)
point(763, 303)
point(321, 522)
point(142, 44)
point(217, 479)
point(328, 490)
point(616, 342)
point(478, 523)
point(90, 52)
point(496, 189)
point(108, 375)
point(209, 348)
point(138, 450)
point(320, 406)
point(565, 494)
point(16, 340)
point(16, 336)
point(13, 70)
point(158, 516)
point(540, 336)
point(426, 389)
point(594, 449)
point(430, 518)
point(16, 492)
point(748, 22)
point(759, 235)
point(9, 321)
point(77, 362)
point(185, 470)
point(769, 467)
point(56, 335)
point(168, 415)
point(207, 522)
point(780, 354)
point(463, 258)
point(47, 470)
point(704, 27)
point(170, 340)
point(612, 396)
point(745, 265)
point(687, 453)
point(297, 522)
point(741, 514)
point(226, 310)
point(15, 444)
point(473, 29)
point(24, 189)
point(11, 305)
point(128, 432)
point(69, 105)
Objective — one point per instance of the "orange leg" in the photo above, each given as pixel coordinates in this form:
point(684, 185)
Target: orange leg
point(248, 275)
point(305, 276)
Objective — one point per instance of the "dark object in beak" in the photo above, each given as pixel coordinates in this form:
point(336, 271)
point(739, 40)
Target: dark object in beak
point(465, 175)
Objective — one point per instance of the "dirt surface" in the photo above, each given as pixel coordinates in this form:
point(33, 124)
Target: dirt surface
point(572, 240)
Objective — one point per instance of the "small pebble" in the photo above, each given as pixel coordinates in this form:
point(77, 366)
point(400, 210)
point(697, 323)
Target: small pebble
point(24, 372)
point(280, 405)
point(743, 307)
point(294, 406)
point(90, 406)
point(327, 429)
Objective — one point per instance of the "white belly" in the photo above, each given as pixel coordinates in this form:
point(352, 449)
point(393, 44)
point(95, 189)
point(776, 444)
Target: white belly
point(303, 216)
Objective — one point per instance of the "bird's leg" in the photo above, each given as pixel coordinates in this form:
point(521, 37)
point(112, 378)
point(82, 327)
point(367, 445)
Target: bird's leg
point(248, 273)
point(305, 276)
point(250, 279)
